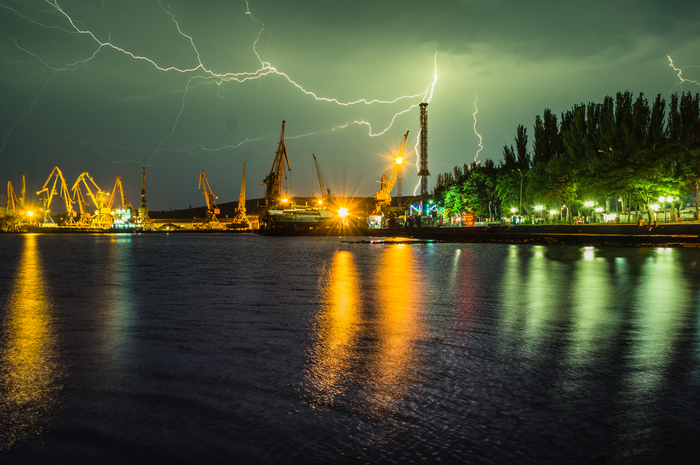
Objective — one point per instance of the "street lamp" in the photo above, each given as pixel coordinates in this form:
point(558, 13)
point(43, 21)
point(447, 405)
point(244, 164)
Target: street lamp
point(521, 189)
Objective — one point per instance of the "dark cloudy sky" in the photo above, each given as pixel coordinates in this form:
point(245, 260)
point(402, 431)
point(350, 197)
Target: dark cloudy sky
point(108, 86)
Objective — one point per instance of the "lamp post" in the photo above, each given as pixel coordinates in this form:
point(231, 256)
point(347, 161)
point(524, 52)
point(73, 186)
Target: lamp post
point(520, 211)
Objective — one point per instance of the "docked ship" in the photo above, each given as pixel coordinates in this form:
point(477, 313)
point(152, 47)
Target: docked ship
point(282, 216)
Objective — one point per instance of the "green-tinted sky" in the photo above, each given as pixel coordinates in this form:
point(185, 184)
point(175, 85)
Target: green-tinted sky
point(109, 86)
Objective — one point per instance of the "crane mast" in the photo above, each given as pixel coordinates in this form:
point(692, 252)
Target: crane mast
point(273, 194)
point(241, 219)
point(143, 218)
point(212, 209)
point(241, 195)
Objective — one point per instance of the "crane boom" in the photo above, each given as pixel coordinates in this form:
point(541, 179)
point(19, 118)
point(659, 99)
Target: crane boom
point(212, 209)
point(63, 192)
point(383, 197)
point(100, 198)
point(325, 192)
point(273, 194)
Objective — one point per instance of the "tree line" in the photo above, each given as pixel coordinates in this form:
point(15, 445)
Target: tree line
point(622, 154)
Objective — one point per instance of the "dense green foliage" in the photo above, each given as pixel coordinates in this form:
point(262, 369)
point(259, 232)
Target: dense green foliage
point(623, 150)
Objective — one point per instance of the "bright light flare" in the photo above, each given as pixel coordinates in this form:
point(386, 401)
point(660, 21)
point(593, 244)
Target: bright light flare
point(342, 212)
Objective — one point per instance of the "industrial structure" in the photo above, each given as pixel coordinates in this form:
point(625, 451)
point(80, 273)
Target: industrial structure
point(143, 220)
point(325, 190)
point(423, 172)
point(282, 216)
point(89, 208)
point(211, 221)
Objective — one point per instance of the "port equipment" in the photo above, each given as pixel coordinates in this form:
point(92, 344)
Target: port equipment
point(325, 191)
point(143, 219)
point(102, 219)
point(241, 217)
point(121, 216)
point(212, 209)
point(20, 215)
point(383, 197)
point(273, 194)
point(48, 191)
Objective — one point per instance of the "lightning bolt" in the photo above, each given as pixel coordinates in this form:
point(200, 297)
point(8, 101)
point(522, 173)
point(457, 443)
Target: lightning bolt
point(476, 110)
point(680, 73)
point(198, 74)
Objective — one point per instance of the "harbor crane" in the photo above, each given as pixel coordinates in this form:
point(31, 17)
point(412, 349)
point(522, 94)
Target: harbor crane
point(212, 209)
point(325, 192)
point(121, 217)
point(19, 213)
point(383, 196)
point(102, 219)
point(241, 217)
point(143, 219)
point(273, 194)
point(48, 193)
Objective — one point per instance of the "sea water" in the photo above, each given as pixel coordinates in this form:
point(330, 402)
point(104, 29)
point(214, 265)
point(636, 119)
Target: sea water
point(237, 348)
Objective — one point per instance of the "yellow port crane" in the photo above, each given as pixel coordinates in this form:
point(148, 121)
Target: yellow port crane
point(325, 191)
point(212, 209)
point(273, 194)
point(383, 196)
point(20, 215)
point(241, 217)
point(56, 175)
point(102, 219)
point(121, 217)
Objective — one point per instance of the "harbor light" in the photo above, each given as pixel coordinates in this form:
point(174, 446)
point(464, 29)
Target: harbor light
point(342, 212)
point(399, 160)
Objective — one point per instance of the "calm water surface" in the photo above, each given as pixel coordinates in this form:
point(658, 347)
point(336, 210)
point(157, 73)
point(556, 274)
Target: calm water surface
point(246, 349)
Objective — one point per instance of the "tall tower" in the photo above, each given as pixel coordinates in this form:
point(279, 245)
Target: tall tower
point(423, 162)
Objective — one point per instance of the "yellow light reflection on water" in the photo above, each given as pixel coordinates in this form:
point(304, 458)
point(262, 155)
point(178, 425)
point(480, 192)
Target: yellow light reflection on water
point(398, 324)
point(28, 373)
point(333, 356)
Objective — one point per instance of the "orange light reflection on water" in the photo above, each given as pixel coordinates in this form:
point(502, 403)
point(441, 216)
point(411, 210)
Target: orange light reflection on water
point(337, 328)
point(28, 373)
point(398, 325)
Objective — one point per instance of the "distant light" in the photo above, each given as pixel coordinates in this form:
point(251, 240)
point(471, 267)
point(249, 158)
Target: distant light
point(342, 212)
point(539, 208)
point(588, 204)
point(654, 207)
point(320, 202)
point(513, 210)
point(30, 213)
point(552, 212)
point(399, 160)
point(662, 199)
point(599, 209)
point(285, 200)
